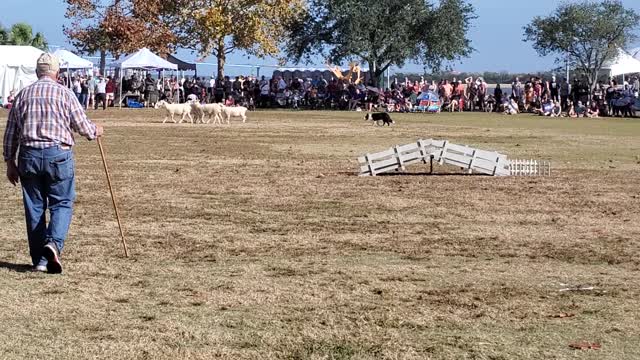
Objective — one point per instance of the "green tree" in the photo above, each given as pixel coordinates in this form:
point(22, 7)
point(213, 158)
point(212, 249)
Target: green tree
point(4, 35)
point(119, 26)
point(220, 27)
point(382, 33)
point(585, 34)
point(22, 34)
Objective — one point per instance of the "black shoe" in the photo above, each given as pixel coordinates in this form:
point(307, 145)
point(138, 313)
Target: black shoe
point(54, 266)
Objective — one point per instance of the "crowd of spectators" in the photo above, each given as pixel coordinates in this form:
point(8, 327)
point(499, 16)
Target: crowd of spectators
point(573, 99)
point(92, 91)
point(547, 97)
point(533, 95)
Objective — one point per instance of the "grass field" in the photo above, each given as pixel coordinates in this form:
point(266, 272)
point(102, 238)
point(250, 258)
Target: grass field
point(257, 241)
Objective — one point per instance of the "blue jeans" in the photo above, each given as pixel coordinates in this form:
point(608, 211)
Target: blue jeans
point(48, 182)
point(83, 98)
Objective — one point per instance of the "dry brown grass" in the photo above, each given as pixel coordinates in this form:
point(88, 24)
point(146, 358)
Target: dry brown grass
point(256, 241)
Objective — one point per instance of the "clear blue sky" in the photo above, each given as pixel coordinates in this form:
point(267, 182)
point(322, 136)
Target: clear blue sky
point(496, 34)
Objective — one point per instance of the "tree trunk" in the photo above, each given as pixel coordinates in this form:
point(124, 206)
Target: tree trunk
point(379, 78)
point(103, 62)
point(222, 58)
point(376, 74)
point(593, 81)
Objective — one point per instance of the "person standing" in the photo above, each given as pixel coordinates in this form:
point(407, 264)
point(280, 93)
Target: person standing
point(77, 88)
point(84, 93)
point(554, 89)
point(111, 90)
point(40, 125)
point(211, 90)
point(575, 95)
point(150, 88)
point(565, 92)
point(497, 94)
point(101, 94)
point(516, 90)
point(175, 90)
point(91, 100)
point(265, 90)
point(482, 93)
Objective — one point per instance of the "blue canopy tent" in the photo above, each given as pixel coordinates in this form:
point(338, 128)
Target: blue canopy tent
point(429, 102)
point(428, 96)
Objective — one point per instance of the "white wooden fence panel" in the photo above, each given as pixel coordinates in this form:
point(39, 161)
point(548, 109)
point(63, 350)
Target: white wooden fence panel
point(461, 149)
point(468, 158)
point(456, 159)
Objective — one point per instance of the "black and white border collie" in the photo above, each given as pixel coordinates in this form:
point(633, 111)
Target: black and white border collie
point(375, 117)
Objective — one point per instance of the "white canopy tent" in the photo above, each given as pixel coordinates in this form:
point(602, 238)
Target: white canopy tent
point(623, 64)
point(17, 68)
point(142, 59)
point(69, 60)
point(635, 53)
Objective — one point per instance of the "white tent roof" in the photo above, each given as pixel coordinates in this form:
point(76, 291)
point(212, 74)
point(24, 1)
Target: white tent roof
point(17, 68)
point(635, 53)
point(623, 64)
point(69, 60)
point(144, 59)
point(11, 55)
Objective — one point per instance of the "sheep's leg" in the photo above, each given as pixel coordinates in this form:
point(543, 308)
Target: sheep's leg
point(228, 119)
point(181, 119)
point(190, 117)
point(244, 118)
point(165, 119)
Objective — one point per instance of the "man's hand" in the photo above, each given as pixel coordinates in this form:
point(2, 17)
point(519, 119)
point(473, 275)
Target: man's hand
point(12, 173)
point(99, 130)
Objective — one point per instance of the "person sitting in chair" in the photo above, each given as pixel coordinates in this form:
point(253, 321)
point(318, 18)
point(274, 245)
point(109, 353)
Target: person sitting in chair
point(593, 110)
point(10, 99)
point(581, 110)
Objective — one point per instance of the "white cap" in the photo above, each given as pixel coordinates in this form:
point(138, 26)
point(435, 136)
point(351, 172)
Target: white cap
point(47, 63)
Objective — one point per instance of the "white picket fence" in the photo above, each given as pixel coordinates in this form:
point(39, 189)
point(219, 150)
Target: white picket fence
point(529, 168)
point(442, 151)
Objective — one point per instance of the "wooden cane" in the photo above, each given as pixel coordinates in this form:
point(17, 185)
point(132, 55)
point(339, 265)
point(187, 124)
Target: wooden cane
point(113, 198)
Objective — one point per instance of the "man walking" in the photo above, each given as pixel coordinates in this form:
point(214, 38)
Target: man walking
point(40, 125)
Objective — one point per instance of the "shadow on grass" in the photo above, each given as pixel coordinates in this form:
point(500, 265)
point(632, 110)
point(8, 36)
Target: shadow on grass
point(21, 268)
point(429, 174)
point(344, 173)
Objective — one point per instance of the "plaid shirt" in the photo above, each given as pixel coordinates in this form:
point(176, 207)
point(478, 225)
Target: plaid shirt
point(43, 115)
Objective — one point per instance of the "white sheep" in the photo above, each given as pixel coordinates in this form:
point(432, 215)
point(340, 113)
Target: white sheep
point(214, 110)
point(196, 111)
point(200, 110)
point(175, 109)
point(234, 111)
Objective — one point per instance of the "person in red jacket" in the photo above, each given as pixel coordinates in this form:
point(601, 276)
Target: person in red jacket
point(111, 90)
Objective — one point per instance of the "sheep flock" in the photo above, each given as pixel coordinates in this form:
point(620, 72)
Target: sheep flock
point(196, 112)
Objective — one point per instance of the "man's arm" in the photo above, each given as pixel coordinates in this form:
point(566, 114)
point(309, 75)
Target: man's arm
point(11, 134)
point(79, 121)
point(10, 144)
